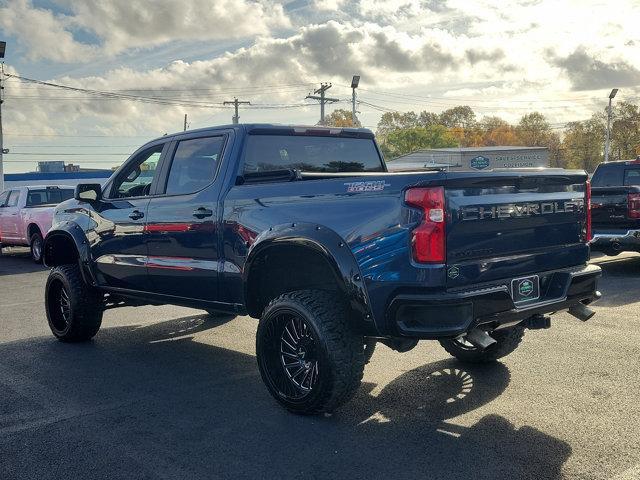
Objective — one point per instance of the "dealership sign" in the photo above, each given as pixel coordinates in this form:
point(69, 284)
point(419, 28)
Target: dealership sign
point(479, 162)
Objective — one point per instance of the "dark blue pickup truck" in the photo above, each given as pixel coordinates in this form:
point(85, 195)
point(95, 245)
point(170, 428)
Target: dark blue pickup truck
point(306, 230)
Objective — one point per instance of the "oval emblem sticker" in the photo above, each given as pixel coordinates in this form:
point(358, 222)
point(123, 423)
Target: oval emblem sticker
point(479, 162)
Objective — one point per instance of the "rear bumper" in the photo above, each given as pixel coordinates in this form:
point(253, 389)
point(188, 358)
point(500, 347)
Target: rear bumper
point(454, 312)
point(628, 240)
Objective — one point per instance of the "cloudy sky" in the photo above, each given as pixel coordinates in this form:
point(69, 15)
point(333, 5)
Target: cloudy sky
point(188, 56)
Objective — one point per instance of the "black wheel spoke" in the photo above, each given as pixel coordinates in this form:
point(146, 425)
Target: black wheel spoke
point(297, 357)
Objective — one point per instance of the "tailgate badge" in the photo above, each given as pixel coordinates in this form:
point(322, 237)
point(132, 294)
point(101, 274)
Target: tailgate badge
point(453, 272)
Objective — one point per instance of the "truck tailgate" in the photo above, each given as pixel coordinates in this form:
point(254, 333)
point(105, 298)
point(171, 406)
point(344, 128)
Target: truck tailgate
point(610, 208)
point(509, 226)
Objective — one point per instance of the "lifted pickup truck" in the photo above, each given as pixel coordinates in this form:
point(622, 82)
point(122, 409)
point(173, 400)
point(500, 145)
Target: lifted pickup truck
point(26, 214)
point(306, 230)
point(616, 207)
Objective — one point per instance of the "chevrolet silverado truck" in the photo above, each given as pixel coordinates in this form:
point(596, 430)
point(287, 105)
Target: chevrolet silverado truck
point(26, 214)
point(304, 229)
point(616, 207)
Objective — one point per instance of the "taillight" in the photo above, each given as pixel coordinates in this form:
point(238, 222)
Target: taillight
point(588, 211)
point(428, 242)
point(633, 205)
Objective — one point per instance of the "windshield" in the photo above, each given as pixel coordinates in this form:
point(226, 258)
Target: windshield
point(311, 154)
point(48, 196)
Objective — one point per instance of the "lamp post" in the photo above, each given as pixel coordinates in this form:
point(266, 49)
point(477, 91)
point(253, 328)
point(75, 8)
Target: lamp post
point(606, 145)
point(354, 84)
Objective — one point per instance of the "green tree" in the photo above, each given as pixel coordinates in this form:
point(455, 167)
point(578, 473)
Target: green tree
point(583, 143)
point(407, 140)
point(625, 132)
point(461, 116)
point(533, 130)
point(391, 121)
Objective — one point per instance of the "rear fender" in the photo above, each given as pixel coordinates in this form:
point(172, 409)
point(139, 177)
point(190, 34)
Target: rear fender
point(329, 245)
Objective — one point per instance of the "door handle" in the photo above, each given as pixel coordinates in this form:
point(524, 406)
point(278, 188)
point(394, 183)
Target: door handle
point(136, 215)
point(202, 212)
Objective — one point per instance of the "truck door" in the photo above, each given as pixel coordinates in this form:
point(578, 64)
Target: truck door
point(120, 250)
point(9, 218)
point(181, 226)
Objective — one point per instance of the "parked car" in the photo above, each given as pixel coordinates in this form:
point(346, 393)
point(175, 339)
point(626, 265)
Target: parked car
point(26, 214)
point(304, 229)
point(615, 207)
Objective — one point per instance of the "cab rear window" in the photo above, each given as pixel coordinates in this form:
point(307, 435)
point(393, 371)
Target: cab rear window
point(265, 153)
point(48, 196)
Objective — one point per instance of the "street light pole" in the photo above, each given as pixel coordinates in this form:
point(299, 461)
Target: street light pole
point(608, 140)
point(354, 84)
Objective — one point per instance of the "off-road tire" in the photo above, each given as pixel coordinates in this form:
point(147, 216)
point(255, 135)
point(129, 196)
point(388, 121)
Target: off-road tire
point(507, 341)
point(36, 244)
point(84, 315)
point(338, 349)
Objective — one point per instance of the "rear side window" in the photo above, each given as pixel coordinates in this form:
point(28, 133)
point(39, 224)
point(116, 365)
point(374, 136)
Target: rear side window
point(13, 198)
point(48, 196)
point(194, 165)
point(266, 153)
point(608, 176)
point(3, 198)
point(632, 176)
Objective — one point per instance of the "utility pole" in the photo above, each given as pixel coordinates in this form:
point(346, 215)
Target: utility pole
point(606, 145)
point(354, 84)
point(235, 103)
point(185, 122)
point(322, 99)
point(2, 49)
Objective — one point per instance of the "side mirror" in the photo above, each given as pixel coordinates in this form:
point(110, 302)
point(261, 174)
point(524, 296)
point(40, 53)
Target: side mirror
point(88, 192)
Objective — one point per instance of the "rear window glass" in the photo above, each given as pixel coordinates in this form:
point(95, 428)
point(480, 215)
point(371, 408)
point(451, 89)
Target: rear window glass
point(266, 153)
point(48, 196)
point(609, 176)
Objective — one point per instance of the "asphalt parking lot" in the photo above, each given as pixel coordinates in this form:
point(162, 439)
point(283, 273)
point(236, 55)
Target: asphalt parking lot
point(168, 392)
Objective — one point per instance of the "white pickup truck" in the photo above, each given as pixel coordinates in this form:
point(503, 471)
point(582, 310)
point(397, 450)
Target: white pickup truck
point(26, 214)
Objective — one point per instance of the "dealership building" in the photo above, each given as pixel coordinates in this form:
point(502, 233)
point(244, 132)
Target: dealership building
point(472, 158)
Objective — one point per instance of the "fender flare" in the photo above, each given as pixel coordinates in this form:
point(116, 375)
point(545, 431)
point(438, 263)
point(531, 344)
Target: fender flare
point(70, 231)
point(332, 247)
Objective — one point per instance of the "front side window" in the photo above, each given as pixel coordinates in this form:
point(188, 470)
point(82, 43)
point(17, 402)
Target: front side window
point(13, 198)
point(48, 196)
point(136, 178)
point(311, 154)
point(194, 165)
point(3, 198)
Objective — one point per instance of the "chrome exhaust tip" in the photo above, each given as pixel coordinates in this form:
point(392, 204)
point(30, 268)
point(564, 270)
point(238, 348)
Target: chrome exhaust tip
point(581, 312)
point(479, 339)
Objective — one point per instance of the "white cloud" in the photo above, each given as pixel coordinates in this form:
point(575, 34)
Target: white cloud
point(120, 25)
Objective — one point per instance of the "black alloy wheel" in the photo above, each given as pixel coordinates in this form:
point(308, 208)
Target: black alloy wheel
point(59, 307)
point(310, 357)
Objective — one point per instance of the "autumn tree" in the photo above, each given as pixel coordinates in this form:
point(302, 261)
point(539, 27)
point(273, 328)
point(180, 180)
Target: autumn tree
point(339, 118)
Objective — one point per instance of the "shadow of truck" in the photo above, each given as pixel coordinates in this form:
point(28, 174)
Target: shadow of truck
point(154, 402)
